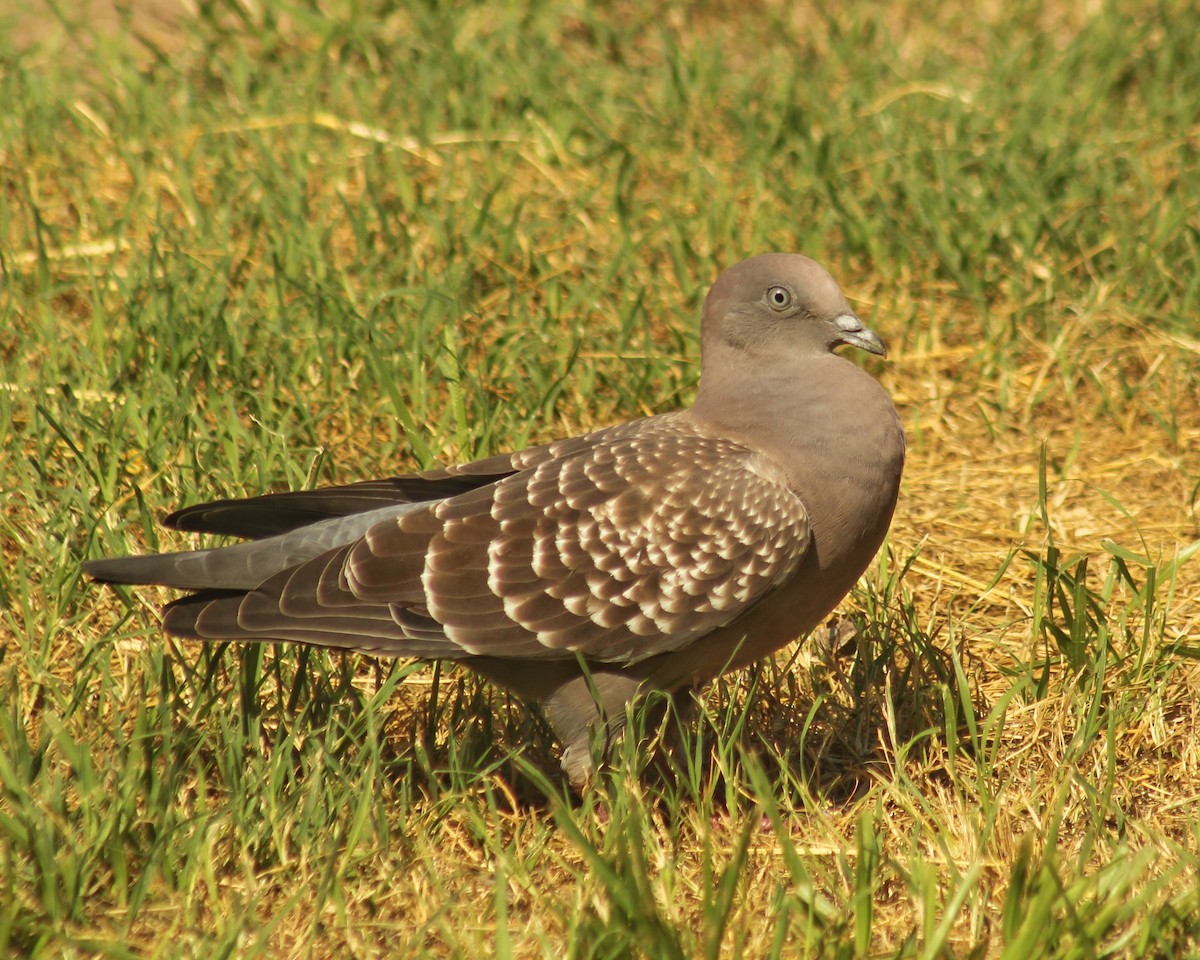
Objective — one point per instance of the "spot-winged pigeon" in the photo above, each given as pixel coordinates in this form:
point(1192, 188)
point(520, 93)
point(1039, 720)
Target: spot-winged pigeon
point(655, 554)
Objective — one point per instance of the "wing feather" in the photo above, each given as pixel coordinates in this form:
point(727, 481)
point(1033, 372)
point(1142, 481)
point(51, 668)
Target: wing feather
point(629, 543)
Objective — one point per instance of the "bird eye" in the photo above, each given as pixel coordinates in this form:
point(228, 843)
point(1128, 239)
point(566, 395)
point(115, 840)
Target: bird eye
point(779, 297)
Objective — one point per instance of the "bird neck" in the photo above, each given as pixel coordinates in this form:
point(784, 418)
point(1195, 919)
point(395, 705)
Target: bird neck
point(746, 393)
point(799, 411)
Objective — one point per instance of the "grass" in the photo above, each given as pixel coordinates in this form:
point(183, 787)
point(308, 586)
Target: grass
point(265, 246)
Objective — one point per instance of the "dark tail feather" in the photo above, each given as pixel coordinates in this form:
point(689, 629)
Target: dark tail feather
point(156, 568)
point(242, 566)
point(276, 513)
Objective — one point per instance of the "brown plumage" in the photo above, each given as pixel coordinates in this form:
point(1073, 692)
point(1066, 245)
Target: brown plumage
point(653, 554)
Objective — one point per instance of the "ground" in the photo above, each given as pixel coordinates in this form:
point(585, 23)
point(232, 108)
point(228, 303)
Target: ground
point(250, 247)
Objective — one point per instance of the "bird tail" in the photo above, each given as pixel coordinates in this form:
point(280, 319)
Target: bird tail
point(159, 568)
point(242, 566)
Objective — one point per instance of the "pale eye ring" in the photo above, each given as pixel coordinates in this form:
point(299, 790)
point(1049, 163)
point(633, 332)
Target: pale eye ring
point(780, 298)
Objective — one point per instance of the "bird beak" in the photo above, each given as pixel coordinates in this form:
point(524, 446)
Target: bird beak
point(856, 335)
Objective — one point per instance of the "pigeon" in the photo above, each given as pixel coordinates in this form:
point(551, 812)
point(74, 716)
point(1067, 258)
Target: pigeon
point(582, 574)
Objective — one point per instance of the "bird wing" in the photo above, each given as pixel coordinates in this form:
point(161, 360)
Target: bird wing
point(632, 542)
